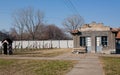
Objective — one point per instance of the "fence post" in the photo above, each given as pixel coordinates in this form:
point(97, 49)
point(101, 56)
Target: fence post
point(59, 43)
point(67, 44)
point(43, 44)
point(21, 44)
point(51, 44)
point(28, 44)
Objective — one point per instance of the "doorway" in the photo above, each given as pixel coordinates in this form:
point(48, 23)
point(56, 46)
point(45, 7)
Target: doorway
point(88, 44)
point(98, 44)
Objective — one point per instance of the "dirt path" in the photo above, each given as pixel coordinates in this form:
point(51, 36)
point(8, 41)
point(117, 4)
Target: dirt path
point(90, 65)
point(66, 56)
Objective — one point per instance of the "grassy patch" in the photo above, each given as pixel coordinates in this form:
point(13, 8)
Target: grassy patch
point(42, 53)
point(5, 62)
point(35, 67)
point(111, 65)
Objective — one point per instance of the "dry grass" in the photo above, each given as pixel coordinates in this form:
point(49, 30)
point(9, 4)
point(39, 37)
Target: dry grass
point(42, 53)
point(35, 67)
point(111, 65)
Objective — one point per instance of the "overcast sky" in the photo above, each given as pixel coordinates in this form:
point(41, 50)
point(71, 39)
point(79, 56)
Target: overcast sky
point(101, 11)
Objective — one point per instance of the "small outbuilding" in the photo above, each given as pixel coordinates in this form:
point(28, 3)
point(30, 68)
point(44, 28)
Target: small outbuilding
point(97, 38)
point(7, 46)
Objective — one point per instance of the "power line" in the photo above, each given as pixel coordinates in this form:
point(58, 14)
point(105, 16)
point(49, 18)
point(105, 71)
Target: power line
point(75, 9)
point(71, 6)
point(67, 4)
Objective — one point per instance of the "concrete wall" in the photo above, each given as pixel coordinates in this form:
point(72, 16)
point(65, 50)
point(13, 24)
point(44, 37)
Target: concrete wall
point(93, 35)
point(43, 44)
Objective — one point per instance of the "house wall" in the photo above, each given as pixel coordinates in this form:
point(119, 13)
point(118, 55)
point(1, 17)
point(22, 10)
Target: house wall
point(93, 35)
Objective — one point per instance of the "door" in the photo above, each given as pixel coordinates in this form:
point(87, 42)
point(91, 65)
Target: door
point(88, 44)
point(118, 46)
point(98, 45)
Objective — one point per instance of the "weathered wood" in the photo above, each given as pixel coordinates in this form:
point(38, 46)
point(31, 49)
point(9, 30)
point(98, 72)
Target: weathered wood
point(79, 50)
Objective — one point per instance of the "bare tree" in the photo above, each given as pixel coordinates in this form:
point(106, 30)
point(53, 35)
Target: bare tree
point(73, 22)
point(4, 34)
point(13, 33)
point(41, 30)
point(53, 32)
point(28, 19)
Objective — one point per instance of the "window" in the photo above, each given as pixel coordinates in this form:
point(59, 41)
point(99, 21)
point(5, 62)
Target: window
point(104, 41)
point(82, 41)
point(118, 42)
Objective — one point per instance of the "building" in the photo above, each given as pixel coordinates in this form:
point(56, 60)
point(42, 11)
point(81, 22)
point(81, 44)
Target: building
point(97, 38)
point(117, 38)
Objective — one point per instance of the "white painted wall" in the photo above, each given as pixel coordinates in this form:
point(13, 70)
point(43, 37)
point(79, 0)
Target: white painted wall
point(43, 44)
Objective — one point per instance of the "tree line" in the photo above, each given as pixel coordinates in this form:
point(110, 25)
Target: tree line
point(29, 24)
point(44, 32)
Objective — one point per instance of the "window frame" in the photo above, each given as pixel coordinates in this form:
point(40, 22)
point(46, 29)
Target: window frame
point(104, 41)
point(82, 41)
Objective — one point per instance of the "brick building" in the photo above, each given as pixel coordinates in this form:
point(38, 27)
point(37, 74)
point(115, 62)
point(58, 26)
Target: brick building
point(97, 38)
